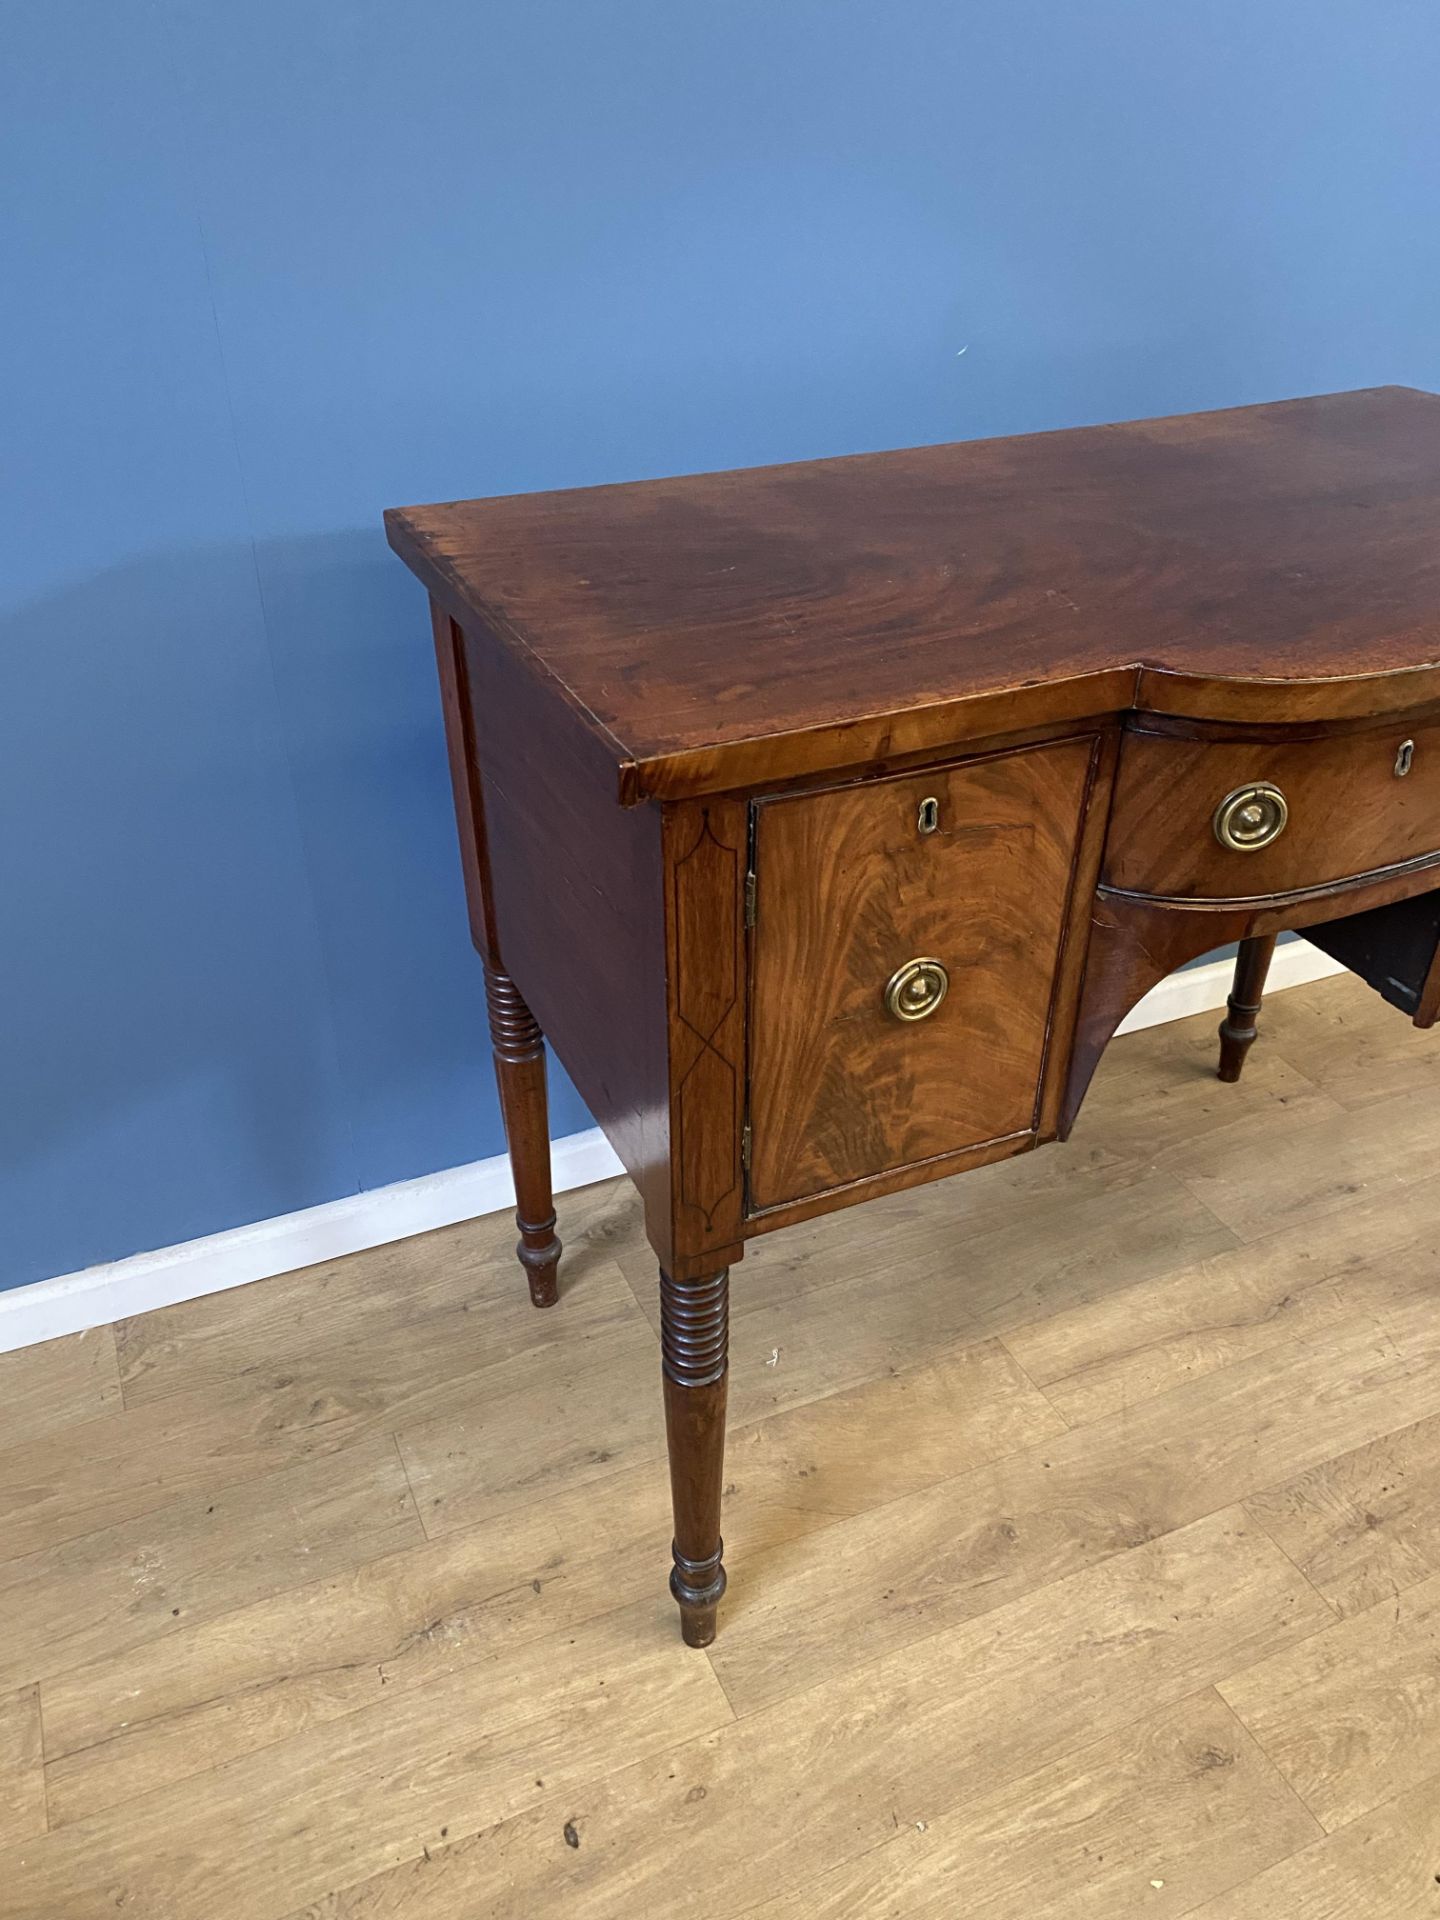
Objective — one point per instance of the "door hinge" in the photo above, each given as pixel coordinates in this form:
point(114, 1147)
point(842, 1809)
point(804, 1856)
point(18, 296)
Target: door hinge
point(745, 1137)
point(750, 893)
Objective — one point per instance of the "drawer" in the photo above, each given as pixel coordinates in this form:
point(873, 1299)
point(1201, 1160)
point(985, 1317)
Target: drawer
point(1301, 813)
point(857, 1069)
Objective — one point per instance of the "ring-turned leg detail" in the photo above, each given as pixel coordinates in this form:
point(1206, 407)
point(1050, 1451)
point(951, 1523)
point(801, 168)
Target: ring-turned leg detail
point(520, 1073)
point(1238, 1028)
point(694, 1341)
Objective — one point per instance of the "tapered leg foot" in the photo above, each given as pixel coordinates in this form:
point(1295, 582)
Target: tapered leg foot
point(539, 1252)
point(520, 1074)
point(1238, 1028)
point(694, 1338)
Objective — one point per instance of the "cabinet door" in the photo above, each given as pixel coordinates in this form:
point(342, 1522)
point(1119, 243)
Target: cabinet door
point(967, 868)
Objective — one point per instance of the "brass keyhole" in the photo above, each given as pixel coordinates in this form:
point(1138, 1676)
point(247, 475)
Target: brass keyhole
point(929, 815)
point(914, 991)
point(1404, 759)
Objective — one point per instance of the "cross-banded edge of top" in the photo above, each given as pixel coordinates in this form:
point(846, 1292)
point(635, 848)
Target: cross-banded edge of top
point(1269, 564)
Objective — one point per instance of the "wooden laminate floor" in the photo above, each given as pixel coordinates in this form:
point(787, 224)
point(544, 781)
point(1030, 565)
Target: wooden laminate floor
point(1083, 1520)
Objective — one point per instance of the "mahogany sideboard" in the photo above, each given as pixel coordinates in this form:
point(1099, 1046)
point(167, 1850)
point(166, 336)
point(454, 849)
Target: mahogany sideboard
point(828, 818)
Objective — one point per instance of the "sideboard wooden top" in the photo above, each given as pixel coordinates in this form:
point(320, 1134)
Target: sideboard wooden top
point(1271, 563)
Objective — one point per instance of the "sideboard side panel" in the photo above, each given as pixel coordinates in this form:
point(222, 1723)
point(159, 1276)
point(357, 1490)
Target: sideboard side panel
point(576, 885)
point(465, 779)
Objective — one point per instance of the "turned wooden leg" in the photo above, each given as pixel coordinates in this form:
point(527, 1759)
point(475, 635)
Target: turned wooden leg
point(520, 1071)
point(1237, 1029)
point(694, 1339)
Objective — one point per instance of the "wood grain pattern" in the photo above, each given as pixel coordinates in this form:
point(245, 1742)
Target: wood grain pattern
point(221, 1402)
point(949, 1553)
point(22, 1768)
point(129, 1584)
point(749, 1811)
point(665, 703)
point(390, 1728)
point(432, 1308)
point(568, 870)
point(849, 889)
point(1107, 1355)
point(1352, 1717)
point(489, 1452)
point(474, 1747)
point(1053, 575)
point(1257, 1177)
point(1381, 1866)
point(1349, 813)
point(119, 1726)
point(1364, 1525)
point(1183, 1805)
point(59, 1383)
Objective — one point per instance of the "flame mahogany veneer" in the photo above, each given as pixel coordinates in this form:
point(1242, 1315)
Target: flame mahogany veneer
point(827, 819)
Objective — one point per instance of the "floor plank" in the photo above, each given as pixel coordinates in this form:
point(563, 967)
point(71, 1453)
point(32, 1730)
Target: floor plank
point(965, 1546)
point(1365, 1525)
point(977, 1244)
point(198, 1557)
point(1151, 1821)
point(224, 1432)
point(58, 1384)
point(1159, 1090)
point(1029, 1473)
point(351, 1796)
point(22, 1767)
point(1353, 1047)
point(603, 1410)
point(1112, 1352)
point(118, 1727)
point(939, 1283)
point(1258, 1176)
point(1383, 1867)
point(1353, 1716)
point(757, 1810)
point(450, 1293)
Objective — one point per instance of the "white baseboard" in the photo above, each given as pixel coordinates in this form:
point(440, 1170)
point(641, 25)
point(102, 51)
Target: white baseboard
point(97, 1295)
point(91, 1298)
point(1203, 989)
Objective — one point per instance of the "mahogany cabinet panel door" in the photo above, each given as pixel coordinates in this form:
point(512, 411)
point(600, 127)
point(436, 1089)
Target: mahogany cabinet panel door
point(967, 868)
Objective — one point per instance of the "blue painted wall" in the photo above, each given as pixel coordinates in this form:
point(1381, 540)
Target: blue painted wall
point(267, 268)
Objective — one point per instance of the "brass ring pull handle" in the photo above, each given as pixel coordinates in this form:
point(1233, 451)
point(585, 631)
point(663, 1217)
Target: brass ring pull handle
point(1251, 817)
point(914, 991)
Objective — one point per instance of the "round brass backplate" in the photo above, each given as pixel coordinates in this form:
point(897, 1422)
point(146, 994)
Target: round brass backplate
point(914, 991)
point(1251, 817)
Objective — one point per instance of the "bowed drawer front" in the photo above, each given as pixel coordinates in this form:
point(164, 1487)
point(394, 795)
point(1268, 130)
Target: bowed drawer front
point(1215, 819)
point(905, 953)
